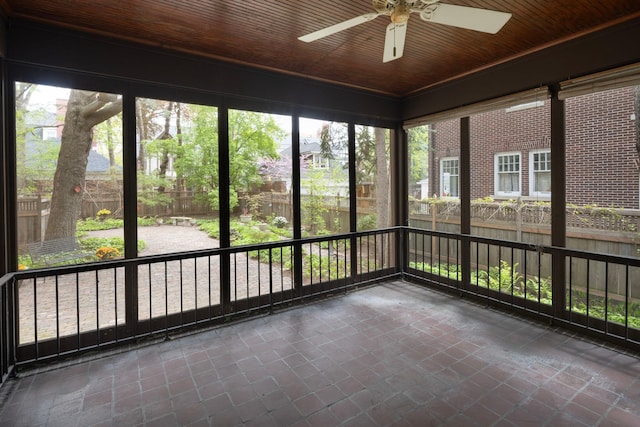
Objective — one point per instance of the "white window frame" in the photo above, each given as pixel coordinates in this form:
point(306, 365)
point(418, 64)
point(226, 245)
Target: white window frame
point(532, 174)
point(496, 175)
point(443, 188)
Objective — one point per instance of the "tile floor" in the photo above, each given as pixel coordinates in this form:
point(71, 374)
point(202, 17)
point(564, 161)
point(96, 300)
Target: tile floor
point(394, 354)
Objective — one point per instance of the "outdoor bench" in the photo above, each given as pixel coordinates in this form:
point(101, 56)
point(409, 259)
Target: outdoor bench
point(182, 220)
point(57, 251)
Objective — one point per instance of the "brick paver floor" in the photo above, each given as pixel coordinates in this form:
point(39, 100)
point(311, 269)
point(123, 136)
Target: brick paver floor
point(394, 354)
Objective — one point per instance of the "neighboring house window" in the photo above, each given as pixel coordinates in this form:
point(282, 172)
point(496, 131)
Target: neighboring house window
point(49, 133)
point(318, 161)
point(540, 167)
point(507, 167)
point(449, 178)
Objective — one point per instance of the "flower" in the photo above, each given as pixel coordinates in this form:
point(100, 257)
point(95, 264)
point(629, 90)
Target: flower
point(107, 252)
point(22, 267)
point(280, 221)
point(103, 212)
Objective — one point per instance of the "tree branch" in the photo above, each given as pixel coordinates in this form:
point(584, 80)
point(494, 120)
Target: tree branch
point(104, 107)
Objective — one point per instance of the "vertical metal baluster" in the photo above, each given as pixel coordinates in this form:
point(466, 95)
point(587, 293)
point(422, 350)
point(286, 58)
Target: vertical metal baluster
point(247, 280)
point(360, 255)
point(115, 301)
point(382, 251)
point(477, 264)
point(524, 261)
point(458, 272)
point(35, 315)
point(588, 288)
point(195, 288)
point(626, 303)
point(78, 309)
point(570, 288)
point(375, 252)
point(606, 298)
point(499, 269)
point(57, 317)
point(209, 285)
point(181, 294)
point(270, 279)
point(513, 270)
point(97, 311)
point(166, 298)
point(488, 266)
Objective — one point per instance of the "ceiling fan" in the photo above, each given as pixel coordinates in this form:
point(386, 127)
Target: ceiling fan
point(488, 21)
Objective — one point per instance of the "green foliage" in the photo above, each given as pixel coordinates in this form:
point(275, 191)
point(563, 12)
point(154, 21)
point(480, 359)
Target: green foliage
point(313, 205)
point(94, 243)
point(145, 221)
point(505, 278)
point(328, 268)
point(211, 227)
point(419, 148)
point(92, 224)
point(367, 222)
point(252, 136)
point(615, 310)
point(148, 194)
point(450, 271)
point(500, 278)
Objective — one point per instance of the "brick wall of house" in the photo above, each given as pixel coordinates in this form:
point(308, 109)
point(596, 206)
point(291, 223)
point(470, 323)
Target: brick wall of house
point(601, 155)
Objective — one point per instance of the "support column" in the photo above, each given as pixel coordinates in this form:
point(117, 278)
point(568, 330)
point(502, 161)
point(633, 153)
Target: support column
point(130, 210)
point(295, 191)
point(558, 202)
point(223, 206)
point(465, 199)
point(399, 175)
point(353, 200)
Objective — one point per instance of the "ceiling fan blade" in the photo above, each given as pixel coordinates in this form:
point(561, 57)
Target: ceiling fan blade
point(338, 27)
point(471, 18)
point(394, 41)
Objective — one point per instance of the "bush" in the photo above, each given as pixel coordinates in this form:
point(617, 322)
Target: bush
point(368, 222)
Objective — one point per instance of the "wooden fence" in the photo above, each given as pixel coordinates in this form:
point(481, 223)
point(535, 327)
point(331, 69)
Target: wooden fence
point(595, 229)
point(33, 212)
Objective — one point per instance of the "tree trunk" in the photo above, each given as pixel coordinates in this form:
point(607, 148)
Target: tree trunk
point(142, 136)
point(166, 134)
point(84, 111)
point(382, 179)
point(382, 191)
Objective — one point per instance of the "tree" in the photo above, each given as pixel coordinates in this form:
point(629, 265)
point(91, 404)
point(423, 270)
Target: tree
point(84, 111)
point(418, 155)
point(372, 165)
point(252, 136)
point(382, 178)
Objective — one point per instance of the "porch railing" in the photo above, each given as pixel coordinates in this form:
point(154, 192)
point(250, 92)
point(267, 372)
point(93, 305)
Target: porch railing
point(594, 293)
point(49, 313)
point(65, 310)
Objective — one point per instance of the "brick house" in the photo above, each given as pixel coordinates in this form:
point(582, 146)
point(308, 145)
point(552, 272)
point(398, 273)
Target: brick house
point(510, 152)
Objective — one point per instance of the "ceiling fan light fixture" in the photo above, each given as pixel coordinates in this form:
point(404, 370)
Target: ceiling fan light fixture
point(400, 13)
point(471, 18)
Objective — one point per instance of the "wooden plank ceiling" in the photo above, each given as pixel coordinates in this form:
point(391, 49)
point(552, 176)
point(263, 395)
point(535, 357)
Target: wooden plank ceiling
point(264, 34)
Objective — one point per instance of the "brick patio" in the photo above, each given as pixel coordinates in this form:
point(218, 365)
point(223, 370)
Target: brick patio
point(390, 354)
